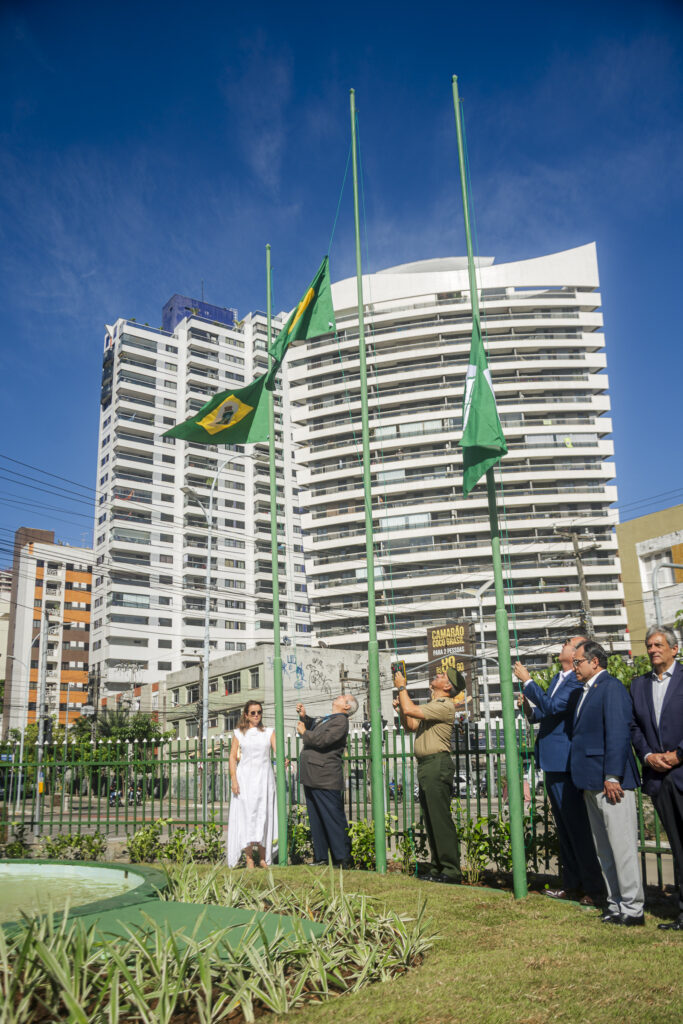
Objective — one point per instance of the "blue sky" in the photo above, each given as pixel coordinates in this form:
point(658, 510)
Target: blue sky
point(145, 148)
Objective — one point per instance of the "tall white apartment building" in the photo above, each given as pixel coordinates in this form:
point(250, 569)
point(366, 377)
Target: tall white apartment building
point(543, 334)
point(150, 538)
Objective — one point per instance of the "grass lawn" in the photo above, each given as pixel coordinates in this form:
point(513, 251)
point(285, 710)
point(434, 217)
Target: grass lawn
point(498, 960)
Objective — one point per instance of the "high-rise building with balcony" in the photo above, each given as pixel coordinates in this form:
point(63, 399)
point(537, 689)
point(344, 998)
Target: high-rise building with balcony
point(150, 539)
point(52, 580)
point(543, 334)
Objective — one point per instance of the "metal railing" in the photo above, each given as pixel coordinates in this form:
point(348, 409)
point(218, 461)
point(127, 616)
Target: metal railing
point(117, 787)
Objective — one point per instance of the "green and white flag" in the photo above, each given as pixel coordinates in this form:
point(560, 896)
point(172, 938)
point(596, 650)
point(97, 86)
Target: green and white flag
point(230, 417)
point(313, 316)
point(482, 440)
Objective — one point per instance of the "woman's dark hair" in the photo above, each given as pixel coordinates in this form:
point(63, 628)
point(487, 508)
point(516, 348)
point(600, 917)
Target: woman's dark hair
point(243, 723)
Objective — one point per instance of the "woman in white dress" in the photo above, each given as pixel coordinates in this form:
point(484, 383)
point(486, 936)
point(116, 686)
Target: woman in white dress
point(253, 818)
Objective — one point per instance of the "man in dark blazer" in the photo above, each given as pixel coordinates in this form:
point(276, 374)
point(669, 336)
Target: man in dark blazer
point(554, 710)
point(657, 735)
point(603, 766)
point(322, 776)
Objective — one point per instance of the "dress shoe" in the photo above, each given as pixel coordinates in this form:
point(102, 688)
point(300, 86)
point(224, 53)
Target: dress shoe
point(561, 894)
point(591, 901)
point(630, 921)
point(672, 926)
point(609, 917)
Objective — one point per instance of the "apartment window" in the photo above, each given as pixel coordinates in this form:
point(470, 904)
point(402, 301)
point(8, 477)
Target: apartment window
point(166, 579)
point(168, 478)
point(164, 666)
point(168, 559)
point(170, 366)
point(253, 678)
point(231, 720)
point(164, 601)
point(233, 684)
point(168, 421)
point(171, 348)
point(192, 730)
point(166, 538)
point(192, 694)
point(164, 643)
point(169, 403)
point(302, 628)
point(165, 622)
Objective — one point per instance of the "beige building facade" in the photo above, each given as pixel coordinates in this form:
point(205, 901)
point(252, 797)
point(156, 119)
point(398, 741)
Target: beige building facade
point(649, 548)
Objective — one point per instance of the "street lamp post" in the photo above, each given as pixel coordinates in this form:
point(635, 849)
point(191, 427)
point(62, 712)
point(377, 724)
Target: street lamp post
point(208, 515)
point(655, 589)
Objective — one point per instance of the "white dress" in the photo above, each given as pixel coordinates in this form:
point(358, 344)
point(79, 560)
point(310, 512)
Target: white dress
point(253, 814)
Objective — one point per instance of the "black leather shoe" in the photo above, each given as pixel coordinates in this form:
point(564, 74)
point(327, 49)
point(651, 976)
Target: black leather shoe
point(611, 918)
point(672, 926)
point(632, 922)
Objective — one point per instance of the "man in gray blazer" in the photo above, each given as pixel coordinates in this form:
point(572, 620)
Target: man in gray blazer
point(322, 776)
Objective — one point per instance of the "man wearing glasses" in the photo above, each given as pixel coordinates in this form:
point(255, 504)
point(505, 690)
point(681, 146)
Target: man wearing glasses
point(603, 766)
point(554, 710)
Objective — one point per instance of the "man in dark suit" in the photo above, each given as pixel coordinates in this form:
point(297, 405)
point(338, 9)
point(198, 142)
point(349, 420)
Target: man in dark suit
point(322, 776)
point(657, 735)
point(554, 709)
point(603, 766)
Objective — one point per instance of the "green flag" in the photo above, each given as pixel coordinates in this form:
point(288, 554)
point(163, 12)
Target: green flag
point(314, 315)
point(482, 439)
point(231, 417)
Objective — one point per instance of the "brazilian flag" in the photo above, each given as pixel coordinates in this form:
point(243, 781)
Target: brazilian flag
point(313, 316)
point(231, 417)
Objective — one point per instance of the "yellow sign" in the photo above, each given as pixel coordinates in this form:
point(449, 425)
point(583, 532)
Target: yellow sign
point(229, 412)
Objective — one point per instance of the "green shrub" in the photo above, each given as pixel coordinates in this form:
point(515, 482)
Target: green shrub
point(145, 845)
point(300, 842)
point(18, 848)
point(362, 836)
point(474, 837)
point(411, 847)
point(74, 846)
point(204, 843)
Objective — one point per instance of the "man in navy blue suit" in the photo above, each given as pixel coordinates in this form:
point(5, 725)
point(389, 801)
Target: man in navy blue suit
point(554, 709)
point(657, 735)
point(603, 766)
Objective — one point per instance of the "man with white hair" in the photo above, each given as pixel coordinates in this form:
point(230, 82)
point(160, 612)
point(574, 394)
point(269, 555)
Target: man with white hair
point(657, 735)
point(322, 776)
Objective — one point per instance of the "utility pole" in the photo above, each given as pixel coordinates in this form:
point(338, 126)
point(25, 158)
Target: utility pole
point(42, 679)
point(586, 617)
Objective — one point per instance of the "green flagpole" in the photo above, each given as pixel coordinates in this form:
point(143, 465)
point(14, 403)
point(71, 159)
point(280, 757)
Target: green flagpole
point(281, 785)
point(502, 628)
point(376, 776)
